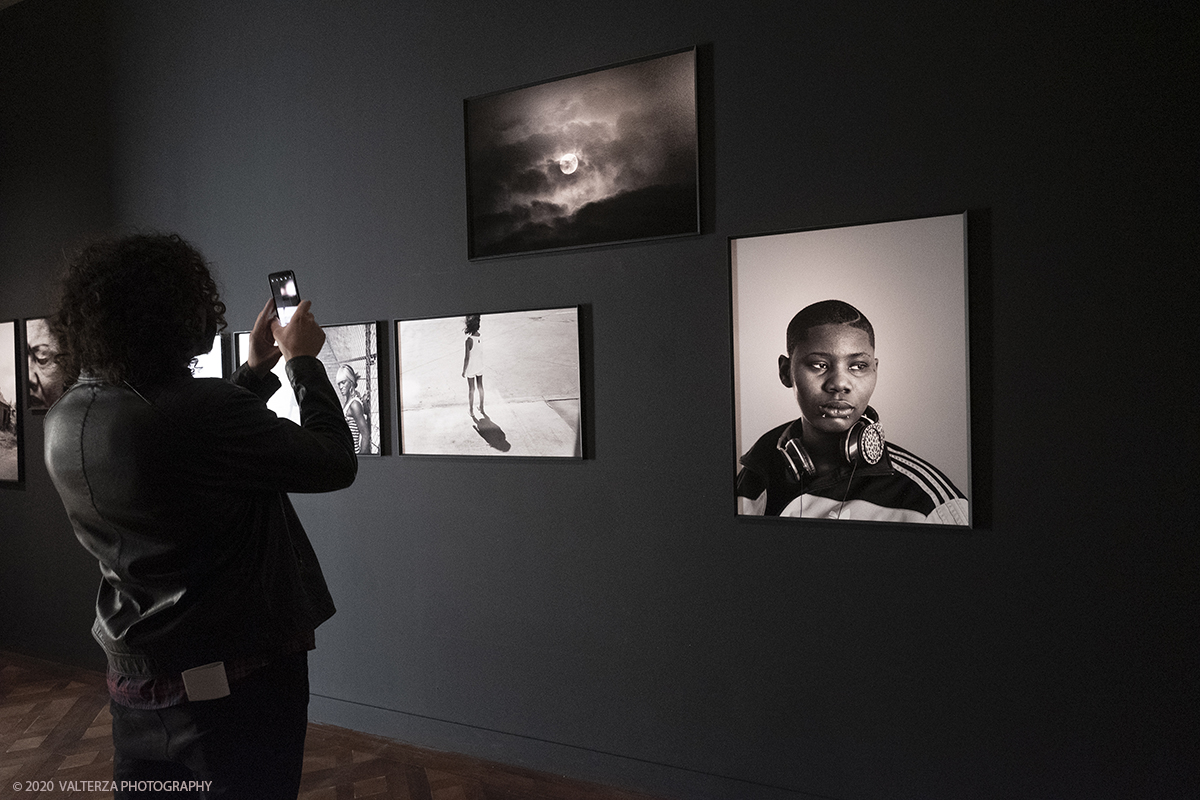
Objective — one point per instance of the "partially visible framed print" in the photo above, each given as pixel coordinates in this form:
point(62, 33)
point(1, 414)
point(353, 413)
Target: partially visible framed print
point(351, 359)
point(212, 363)
point(609, 155)
point(44, 381)
point(283, 402)
point(505, 384)
point(851, 381)
point(11, 461)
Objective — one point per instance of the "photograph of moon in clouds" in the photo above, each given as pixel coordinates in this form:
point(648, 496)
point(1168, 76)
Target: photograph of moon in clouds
point(606, 156)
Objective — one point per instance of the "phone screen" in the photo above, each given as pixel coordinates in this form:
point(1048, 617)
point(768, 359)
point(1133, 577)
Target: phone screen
point(287, 297)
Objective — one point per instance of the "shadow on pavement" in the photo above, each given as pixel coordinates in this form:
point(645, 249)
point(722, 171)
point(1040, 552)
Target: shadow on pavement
point(492, 433)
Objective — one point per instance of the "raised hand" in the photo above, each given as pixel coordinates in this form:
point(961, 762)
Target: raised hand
point(300, 337)
point(263, 353)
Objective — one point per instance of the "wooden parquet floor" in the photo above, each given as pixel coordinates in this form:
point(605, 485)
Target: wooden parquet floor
point(56, 736)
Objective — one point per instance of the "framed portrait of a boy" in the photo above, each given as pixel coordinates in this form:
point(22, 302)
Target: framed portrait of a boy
point(851, 379)
point(11, 462)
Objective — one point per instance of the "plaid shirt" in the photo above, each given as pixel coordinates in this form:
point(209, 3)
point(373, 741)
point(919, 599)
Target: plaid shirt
point(164, 691)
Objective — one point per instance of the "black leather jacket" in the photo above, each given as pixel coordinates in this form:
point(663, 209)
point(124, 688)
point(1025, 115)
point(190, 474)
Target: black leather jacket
point(179, 492)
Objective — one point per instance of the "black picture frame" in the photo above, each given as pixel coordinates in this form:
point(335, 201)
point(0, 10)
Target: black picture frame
point(531, 378)
point(909, 279)
point(354, 344)
point(12, 455)
point(598, 157)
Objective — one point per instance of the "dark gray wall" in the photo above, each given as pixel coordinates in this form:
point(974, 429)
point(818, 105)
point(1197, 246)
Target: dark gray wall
point(55, 190)
point(611, 619)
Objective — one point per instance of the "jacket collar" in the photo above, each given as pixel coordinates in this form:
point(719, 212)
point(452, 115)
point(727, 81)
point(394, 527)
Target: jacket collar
point(794, 429)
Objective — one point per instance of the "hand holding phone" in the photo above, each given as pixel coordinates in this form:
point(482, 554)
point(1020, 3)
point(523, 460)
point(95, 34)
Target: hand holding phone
point(287, 296)
point(304, 337)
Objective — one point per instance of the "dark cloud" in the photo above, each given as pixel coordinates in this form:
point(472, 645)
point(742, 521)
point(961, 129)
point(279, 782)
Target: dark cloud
point(655, 211)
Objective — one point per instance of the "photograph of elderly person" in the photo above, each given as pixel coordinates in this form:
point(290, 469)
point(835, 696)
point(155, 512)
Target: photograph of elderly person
point(841, 335)
point(10, 469)
point(350, 356)
point(533, 384)
point(45, 378)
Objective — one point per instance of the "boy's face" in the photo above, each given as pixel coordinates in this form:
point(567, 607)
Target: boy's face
point(832, 372)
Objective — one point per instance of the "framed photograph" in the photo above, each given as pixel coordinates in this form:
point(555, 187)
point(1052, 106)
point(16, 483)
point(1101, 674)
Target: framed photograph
point(351, 358)
point(850, 373)
point(505, 384)
point(44, 381)
point(11, 462)
point(212, 363)
point(283, 402)
point(609, 155)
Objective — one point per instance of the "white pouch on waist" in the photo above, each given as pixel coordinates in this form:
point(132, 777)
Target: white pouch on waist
point(208, 682)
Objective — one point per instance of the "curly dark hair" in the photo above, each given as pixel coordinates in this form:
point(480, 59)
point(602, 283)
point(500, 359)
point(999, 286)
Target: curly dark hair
point(137, 308)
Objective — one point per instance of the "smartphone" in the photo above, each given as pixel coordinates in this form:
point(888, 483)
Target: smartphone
point(287, 297)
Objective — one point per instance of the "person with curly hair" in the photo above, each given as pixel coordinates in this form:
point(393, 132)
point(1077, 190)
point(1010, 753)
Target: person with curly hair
point(211, 591)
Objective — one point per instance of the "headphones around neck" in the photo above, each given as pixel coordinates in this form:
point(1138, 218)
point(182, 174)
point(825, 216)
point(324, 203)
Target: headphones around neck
point(863, 441)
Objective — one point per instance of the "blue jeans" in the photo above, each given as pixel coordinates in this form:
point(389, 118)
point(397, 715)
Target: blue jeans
point(248, 745)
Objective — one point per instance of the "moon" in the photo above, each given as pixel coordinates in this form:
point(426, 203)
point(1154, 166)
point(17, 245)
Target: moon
point(568, 163)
